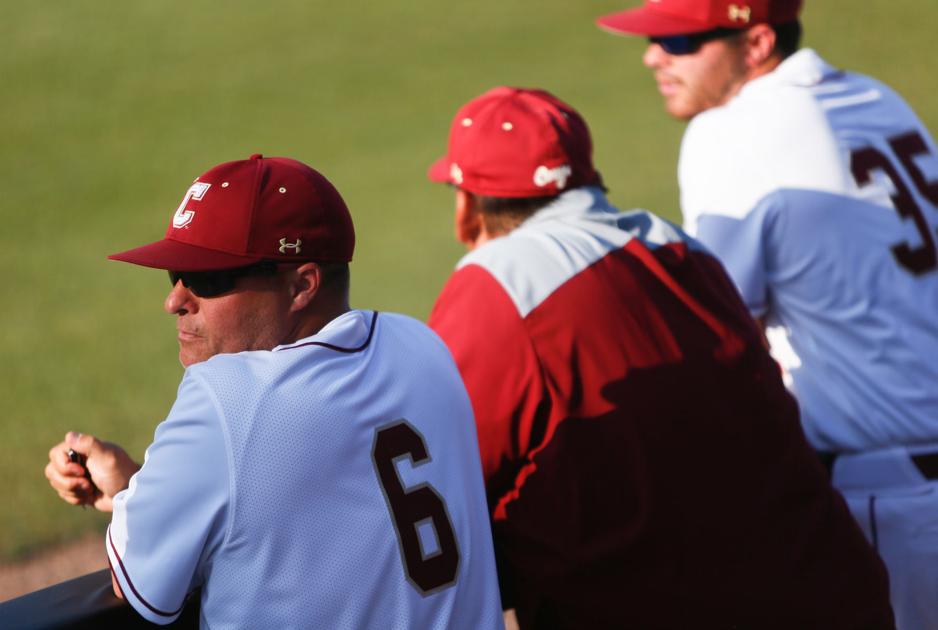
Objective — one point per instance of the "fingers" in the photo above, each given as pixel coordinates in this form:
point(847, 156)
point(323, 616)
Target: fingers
point(72, 488)
point(68, 478)
point(76, 499)
point(81, 443)
point(106, 471)
point(58, 459)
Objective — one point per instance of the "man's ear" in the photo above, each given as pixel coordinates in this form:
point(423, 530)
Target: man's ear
point(760, 44)
point(305, 283)
point(468, 219)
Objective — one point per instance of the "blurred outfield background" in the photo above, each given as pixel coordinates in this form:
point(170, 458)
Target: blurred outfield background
point(110, 109)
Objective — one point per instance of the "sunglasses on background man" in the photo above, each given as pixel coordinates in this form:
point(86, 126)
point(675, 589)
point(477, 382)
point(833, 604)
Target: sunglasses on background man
point(689, 44)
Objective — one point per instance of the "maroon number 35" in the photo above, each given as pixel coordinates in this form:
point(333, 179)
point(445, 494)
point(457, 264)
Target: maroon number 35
point(906, 147)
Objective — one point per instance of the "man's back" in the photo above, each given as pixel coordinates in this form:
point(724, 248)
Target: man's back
point(345, 482)
point(645, 466)
point(819, 191)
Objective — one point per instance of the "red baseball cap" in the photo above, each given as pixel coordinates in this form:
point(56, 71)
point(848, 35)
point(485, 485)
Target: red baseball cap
point(515, 142)
point(239, 213)
point(658, 18)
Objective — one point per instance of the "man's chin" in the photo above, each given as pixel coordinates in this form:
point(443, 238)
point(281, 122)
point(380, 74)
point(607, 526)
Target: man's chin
point(188, 357)
point(678, 109)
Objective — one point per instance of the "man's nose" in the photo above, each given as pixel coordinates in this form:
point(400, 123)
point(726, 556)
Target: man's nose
point(654, 56)
point(180, 300)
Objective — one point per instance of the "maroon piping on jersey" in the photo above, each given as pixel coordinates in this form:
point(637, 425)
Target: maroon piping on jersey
point(371, 332)
point(133, 588)
point(157, 611)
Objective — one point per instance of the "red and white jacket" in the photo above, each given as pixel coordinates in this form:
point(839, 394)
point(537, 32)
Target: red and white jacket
point(644, 464)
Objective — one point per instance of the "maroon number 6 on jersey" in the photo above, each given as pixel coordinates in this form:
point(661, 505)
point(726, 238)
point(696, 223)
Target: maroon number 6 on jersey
point(417, 510)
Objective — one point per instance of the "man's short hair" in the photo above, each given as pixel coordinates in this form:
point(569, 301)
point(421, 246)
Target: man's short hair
point(787, 38)
point(503, 214)
point(336, 277)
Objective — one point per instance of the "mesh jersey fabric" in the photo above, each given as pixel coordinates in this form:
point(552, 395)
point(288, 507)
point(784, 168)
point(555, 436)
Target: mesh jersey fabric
point(272, 485)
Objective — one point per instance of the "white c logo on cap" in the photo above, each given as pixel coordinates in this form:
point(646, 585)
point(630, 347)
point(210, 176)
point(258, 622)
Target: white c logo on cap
point(184, 216)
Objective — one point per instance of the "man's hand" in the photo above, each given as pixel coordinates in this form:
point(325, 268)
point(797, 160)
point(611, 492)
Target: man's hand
point(108, 466)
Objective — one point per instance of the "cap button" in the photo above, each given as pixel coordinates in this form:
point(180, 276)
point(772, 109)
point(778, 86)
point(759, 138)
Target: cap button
point(256, 156)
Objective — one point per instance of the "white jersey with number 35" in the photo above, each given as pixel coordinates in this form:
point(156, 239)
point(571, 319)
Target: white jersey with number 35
point(818, 189)
point(331, 483)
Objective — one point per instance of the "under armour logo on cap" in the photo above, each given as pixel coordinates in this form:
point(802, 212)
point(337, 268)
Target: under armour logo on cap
point(284, 246)
point(661, 18)
point(738, 13)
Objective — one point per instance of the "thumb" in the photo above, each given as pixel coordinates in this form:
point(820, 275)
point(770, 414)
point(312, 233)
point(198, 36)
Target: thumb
point(81, 443)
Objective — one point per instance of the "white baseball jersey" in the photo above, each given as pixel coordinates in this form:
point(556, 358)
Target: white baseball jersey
point(330, 483)
point(818, 189)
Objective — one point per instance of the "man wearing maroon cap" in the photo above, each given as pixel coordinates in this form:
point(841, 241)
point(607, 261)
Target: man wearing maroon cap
point(818, 190)
point(319, 467)
point(644, 465)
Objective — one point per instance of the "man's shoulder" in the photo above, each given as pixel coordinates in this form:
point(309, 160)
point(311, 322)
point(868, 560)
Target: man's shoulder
point(350, 333)
point(420, 339)
point(774, 135)
point(766, 110)
point(554, 245)
point(789, 106)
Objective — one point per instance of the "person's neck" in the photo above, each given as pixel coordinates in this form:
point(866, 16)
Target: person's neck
point(764, 68)
point(312, 323)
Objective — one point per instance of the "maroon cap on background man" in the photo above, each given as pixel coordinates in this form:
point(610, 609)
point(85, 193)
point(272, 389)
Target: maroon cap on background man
point(239, 213)
point(515, 142)
point(658, 18)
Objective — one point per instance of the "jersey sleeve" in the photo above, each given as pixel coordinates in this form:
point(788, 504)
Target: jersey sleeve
point(171, 517)
point(486, 335)
point(741, 245)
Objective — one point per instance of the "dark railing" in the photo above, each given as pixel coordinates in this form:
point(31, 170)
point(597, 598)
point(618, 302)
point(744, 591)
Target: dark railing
point(85, 602)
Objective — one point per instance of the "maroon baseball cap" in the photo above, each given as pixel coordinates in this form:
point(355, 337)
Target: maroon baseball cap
point(515, 142)
point(658, 18)
point(239, 213)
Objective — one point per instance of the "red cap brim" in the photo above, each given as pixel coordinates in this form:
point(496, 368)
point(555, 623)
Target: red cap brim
point(439, 171)
point(176, 256)
point(643, 21)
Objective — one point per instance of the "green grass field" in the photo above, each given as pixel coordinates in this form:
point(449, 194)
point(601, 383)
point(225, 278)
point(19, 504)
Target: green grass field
point(110, 109)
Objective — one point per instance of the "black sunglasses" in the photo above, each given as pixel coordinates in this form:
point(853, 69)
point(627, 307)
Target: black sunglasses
point(689, 44)
point(206, 284)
